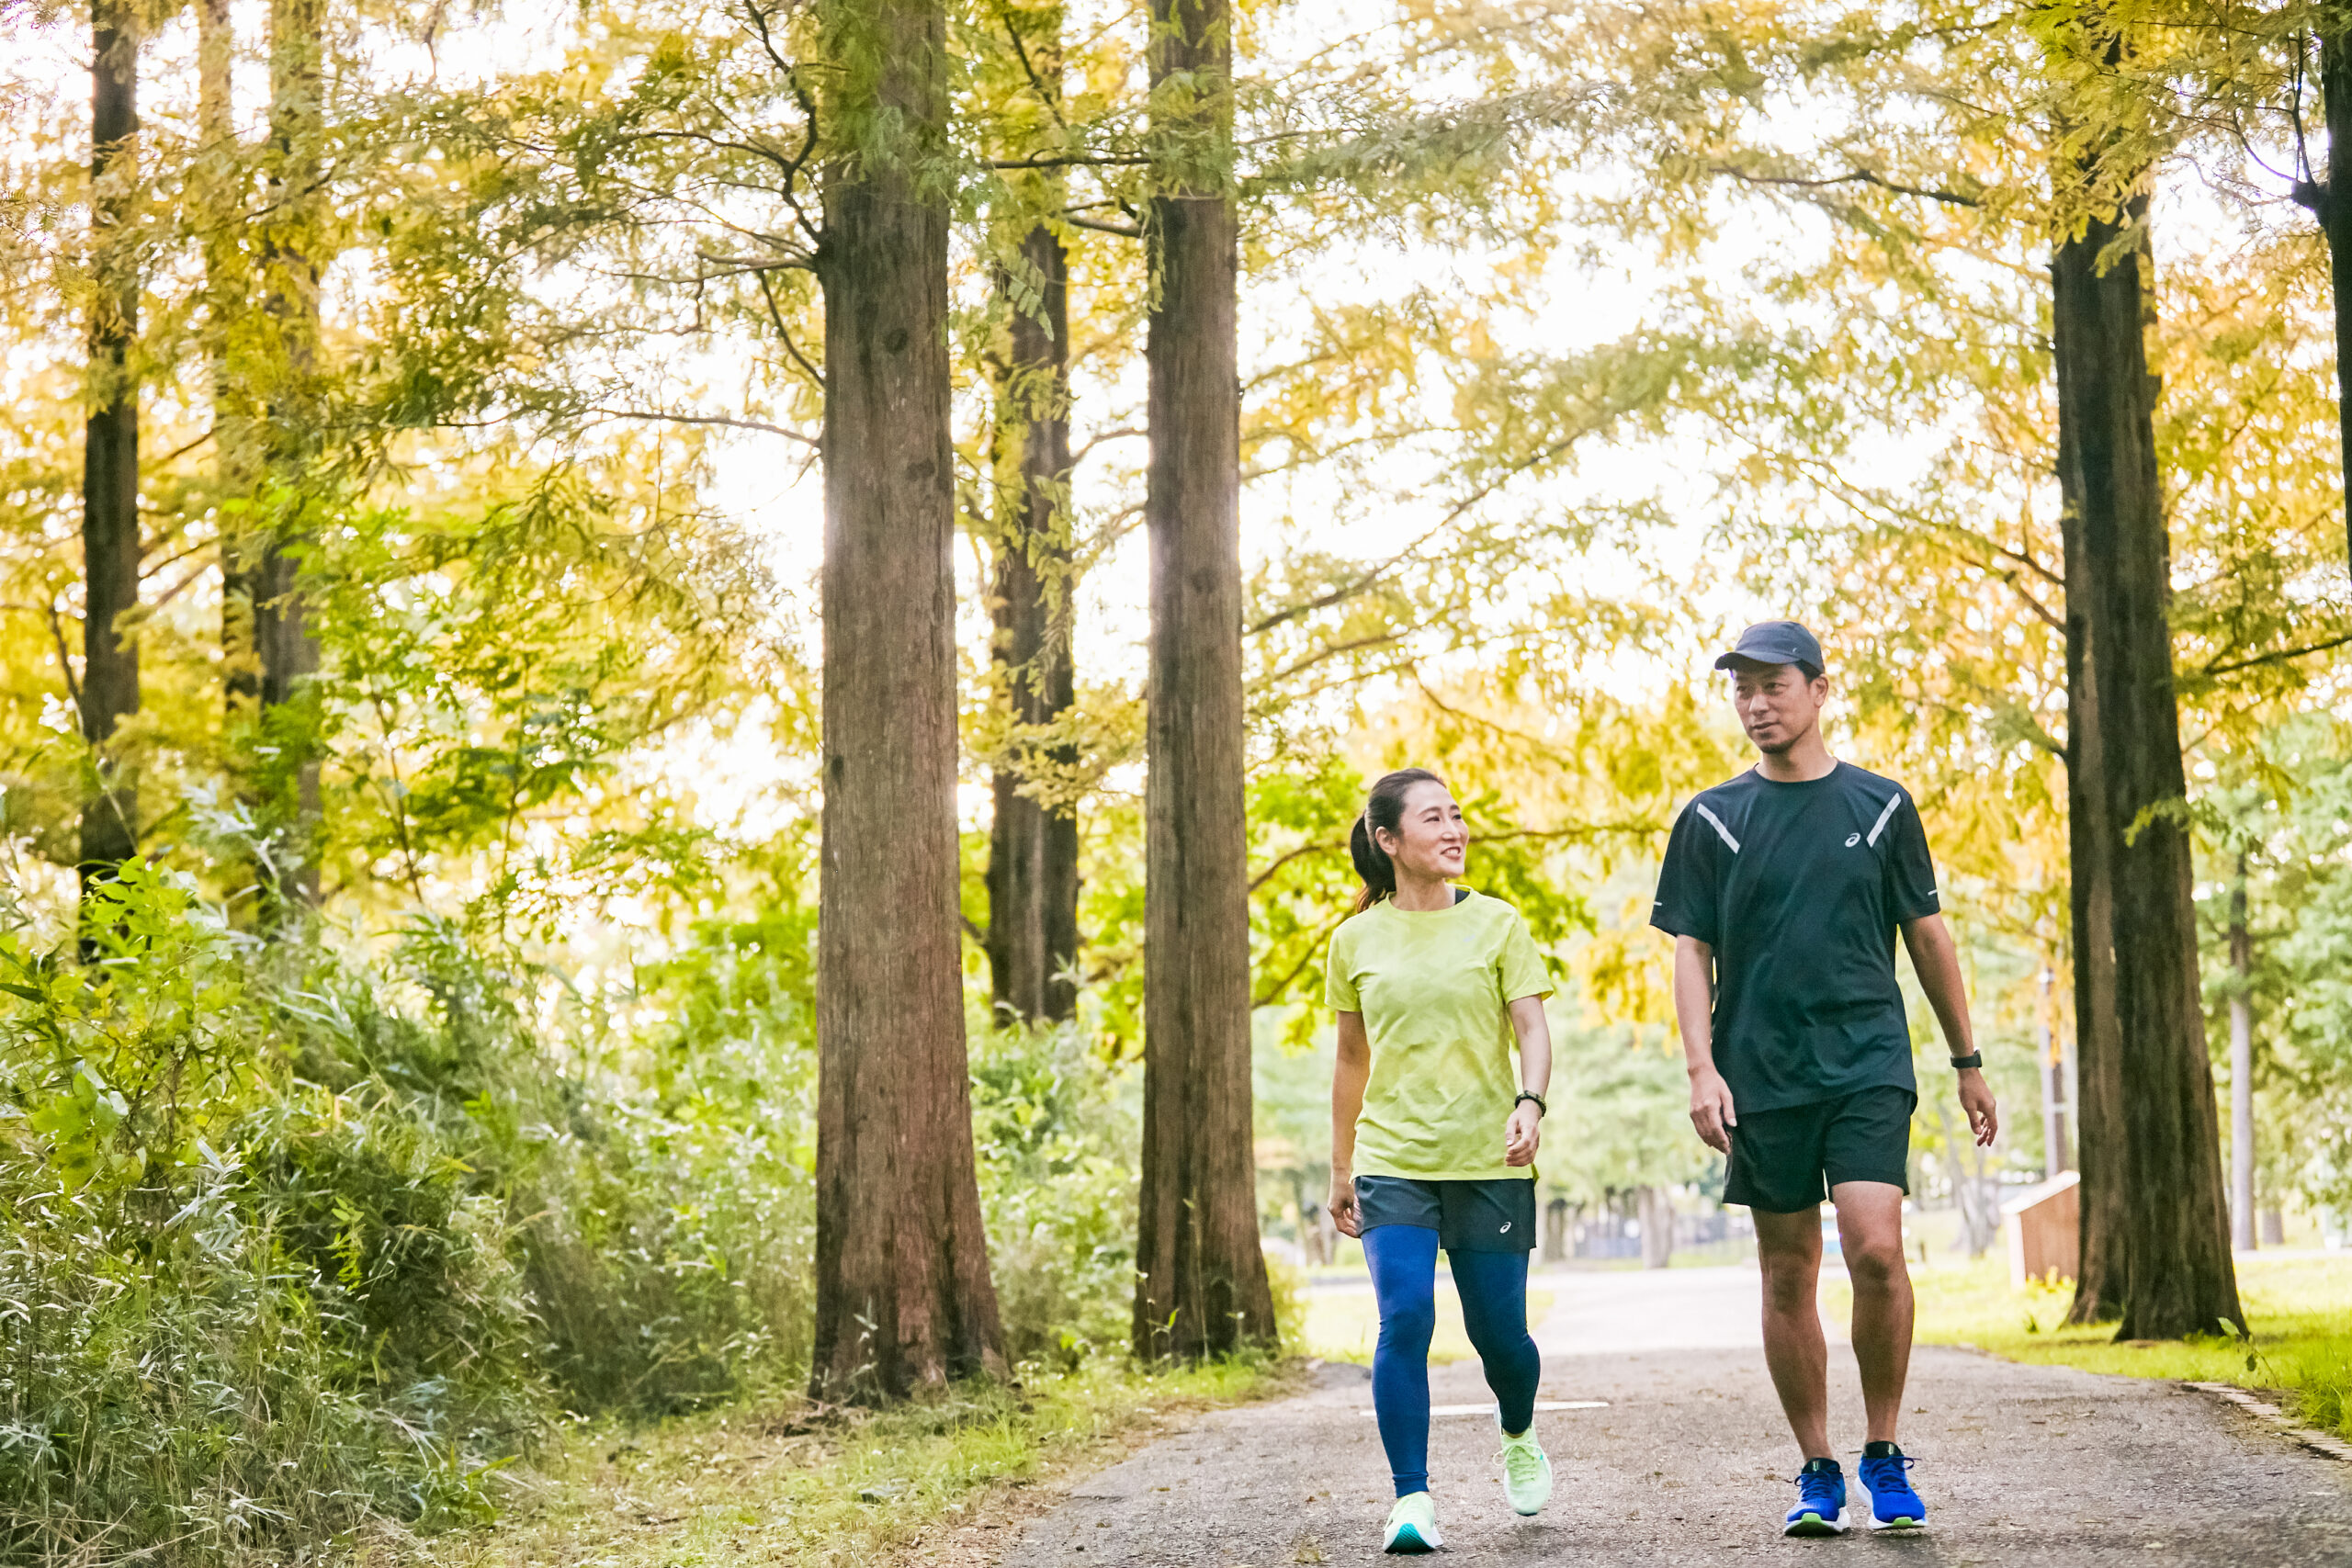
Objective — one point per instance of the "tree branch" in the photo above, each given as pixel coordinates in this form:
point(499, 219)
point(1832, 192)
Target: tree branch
point(1271, 993)
point(1356, 585)
point(2278, 657)
point(709, 419)
point(1074, 161)
point(1125, 230)
point(1860, 176)
point(1283, 859)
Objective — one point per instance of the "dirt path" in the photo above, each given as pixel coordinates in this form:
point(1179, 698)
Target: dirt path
point(1687, 1461)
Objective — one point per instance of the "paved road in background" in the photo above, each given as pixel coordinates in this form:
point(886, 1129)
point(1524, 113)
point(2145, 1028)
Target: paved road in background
point(1688, 1460)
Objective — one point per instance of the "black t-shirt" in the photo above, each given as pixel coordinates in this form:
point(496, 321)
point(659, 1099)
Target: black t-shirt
point(1800, 890)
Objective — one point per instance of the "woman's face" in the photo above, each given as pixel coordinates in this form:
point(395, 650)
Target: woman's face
point(1430, 839)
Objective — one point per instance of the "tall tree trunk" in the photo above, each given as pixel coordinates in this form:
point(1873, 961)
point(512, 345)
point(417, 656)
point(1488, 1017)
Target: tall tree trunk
point(1200, 1283)
point(1033, 846)
point(2331, 202)
point(215, 187)
point(2099, 1047)
point(2053, 1083)
point(270, 682)
point(2178, 1278)
point(904, 1297)
point(110, 543)
point(2241, 1231)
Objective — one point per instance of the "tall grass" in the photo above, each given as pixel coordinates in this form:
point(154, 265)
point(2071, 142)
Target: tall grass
point(2317, 1376)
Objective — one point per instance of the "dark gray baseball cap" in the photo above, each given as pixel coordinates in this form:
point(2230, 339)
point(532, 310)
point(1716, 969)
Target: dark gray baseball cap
point(1775, 642)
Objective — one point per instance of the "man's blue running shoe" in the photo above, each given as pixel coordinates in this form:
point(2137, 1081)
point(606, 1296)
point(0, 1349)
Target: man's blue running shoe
point(1821, 1501)
point(1894, 1505)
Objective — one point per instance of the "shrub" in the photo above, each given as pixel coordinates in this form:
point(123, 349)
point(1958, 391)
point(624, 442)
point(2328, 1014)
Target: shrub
point(236, 1305)
point(292, 1240)
point(1057, 1145)
point(671, 1224)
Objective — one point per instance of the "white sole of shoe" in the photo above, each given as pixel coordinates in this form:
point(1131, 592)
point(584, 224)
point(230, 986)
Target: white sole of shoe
point(1895, 1524)
point(1813, 1524)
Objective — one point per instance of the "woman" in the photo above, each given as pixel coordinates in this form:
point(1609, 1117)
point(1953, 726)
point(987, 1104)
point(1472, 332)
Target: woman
point(1433, 1134)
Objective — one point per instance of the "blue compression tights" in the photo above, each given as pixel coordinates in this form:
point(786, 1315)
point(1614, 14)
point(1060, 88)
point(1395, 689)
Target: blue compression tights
point(1493, 1287)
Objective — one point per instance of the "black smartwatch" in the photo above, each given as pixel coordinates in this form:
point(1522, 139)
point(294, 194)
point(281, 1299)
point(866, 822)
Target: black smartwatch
point(1526, 1094)
point(1974, 1059)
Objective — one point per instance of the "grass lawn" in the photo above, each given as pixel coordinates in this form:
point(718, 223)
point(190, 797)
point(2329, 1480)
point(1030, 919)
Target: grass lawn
point(749, 1485)
point(1341, 1326)
point(2300, 1309)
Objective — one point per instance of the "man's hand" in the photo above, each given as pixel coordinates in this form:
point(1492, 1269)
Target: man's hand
point(1522, 1133)
point(1343, 1204)
point(1710, 1109)
point(1976, 1099)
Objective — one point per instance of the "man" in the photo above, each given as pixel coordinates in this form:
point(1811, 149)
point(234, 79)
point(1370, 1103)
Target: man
point(1783, 890)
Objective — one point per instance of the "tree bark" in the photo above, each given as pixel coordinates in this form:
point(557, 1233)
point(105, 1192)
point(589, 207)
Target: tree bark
point(2098, 1048)
point(2054, 1102)
point(904, 1297)
point(1654, 1207)
point(2242, 1230)
point(269, 668)
point(2178, 1278)
point(216, 187)
point(110, 543)
point(2331, 202)
point(1201, 1276)
point(1033, 847)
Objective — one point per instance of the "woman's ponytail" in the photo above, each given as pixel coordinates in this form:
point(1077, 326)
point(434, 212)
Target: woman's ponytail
point(1373, 865)
point(1384, 811)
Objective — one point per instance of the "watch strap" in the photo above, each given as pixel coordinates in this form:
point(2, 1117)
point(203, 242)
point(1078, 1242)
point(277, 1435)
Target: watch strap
point(1527, 1094)
point(1974, 1059)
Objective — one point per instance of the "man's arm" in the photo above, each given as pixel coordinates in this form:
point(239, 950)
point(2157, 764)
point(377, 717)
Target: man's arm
point(1938, 963)
point(1694, 1014)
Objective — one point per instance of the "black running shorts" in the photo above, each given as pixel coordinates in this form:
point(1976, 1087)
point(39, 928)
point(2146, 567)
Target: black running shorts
point(1786, 1161)
point(1493, 1216)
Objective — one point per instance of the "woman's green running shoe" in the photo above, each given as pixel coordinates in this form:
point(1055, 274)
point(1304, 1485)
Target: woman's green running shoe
point(1412, 1525)
point(1527, 1472)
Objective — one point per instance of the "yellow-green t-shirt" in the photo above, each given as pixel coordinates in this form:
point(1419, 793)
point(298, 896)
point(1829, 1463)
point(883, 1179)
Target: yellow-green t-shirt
point(1434, 987)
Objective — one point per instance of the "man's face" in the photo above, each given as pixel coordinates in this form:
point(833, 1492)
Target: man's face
point(1777, 705)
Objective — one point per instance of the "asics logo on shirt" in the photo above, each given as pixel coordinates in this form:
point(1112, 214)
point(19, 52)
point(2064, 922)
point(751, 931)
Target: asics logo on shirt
point(1852, 839)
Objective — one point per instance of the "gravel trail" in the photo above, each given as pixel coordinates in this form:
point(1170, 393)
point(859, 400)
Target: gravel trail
point(1686, 1460)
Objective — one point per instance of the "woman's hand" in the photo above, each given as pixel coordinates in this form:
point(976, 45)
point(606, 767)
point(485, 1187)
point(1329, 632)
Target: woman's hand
point(1524, 1134)
point(1342, 1203)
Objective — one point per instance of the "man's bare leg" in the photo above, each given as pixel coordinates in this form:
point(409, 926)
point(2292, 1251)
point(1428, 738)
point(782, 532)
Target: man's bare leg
point(1870, 1227)
point(1788, 1251)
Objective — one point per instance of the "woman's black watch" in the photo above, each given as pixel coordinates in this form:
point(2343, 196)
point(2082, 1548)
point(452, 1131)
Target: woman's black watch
point(1541, 1109)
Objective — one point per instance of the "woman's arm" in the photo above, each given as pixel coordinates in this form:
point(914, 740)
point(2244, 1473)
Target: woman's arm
point(1524, 1134)
point(1347, 1077)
